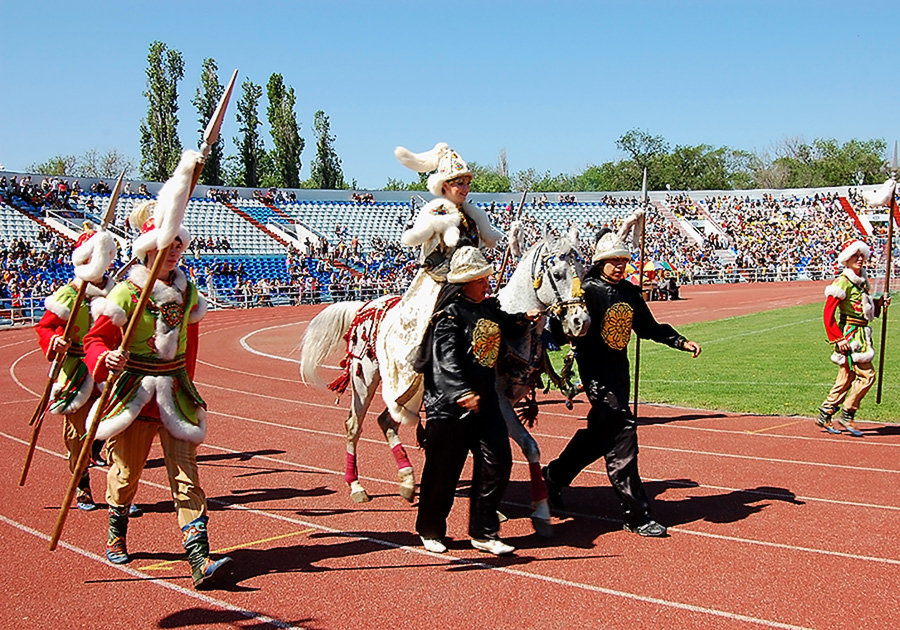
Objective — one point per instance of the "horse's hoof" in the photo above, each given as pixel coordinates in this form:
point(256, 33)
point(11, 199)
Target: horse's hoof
point(542, 527)
point(360, 496)
point(407, 483)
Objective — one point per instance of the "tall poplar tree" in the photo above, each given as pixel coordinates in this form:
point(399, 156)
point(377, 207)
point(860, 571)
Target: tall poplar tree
point(326, 167)
point(288, 145)
point(205, 100)
point(160, 146)
point(249, 144)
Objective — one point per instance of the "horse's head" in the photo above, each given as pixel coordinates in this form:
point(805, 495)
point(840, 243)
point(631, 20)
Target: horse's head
point(557, 268)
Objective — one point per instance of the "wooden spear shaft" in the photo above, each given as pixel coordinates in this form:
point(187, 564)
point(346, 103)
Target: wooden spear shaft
point(37, 418)
point(637, 342)
point(887, 292)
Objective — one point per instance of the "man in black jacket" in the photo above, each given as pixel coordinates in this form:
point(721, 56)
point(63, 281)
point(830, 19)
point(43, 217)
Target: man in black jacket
point(457, 360)
point(616, 308)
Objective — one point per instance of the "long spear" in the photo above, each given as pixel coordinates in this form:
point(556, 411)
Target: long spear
point(509, 244)
point(637, 342)
point(892, 210)
point(37, 418)
point(168, 229)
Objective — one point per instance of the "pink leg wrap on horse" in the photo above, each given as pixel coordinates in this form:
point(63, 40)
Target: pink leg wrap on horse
point(401, 457)
point(538, 487)
point(350, 473)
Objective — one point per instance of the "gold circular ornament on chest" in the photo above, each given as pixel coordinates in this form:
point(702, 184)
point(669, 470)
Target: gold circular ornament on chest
point(486, 342)
point(616, 330)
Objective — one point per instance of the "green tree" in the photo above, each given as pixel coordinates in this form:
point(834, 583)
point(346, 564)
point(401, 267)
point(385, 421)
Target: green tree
point(285, 133)
point(249, 143)
point(205, 100)
point(63, 165)
point(160, 146)
point(326, 167)
point(486, 179)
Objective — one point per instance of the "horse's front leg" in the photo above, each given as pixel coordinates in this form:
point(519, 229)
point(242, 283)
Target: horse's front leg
point(390, 428)
point(540, 515)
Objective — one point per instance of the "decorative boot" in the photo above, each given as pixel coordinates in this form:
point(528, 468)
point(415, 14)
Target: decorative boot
point(83, 497)
point(846, 421)
point(206, 572)
point(824, 420)
point(116, 552)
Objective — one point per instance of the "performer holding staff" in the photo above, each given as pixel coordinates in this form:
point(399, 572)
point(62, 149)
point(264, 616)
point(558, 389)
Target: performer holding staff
point(154, 394)
point(73, 391)
point(848, 310)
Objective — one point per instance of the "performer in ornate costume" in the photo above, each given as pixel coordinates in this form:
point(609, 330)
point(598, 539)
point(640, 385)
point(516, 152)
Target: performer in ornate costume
point(848, 310)
point(442, 225)
point(616, 308)
point(154, 394)
point(74, 391)
point(457, 360)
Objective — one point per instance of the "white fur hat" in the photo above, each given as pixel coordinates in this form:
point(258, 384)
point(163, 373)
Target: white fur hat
point(444, 161)
point(608, 246)
point(165, 225)
point(851, 248)
point(93, 253)
point(467, 264)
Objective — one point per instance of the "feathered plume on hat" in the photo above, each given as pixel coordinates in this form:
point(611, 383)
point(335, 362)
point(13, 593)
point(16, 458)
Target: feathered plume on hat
point(444, 161)
point(881, 196)
point(92, 254)
point(634, 223)
point(160, 229)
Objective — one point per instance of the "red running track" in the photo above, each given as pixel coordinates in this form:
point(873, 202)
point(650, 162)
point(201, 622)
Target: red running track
point(773, 523)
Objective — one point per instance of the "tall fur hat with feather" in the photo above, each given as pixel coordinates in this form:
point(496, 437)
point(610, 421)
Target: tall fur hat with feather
point(444, 161)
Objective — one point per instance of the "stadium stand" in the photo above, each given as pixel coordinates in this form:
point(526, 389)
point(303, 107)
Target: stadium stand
point(257, 247)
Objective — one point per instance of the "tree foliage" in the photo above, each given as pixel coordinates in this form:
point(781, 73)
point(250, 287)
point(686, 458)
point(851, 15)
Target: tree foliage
point(92, 163)
point(160, 146)
point(326, 167)
point(288, 145)
point(250, 145)
point(205, 100)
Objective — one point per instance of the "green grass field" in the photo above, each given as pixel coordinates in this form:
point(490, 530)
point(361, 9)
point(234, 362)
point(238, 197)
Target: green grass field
point(774, 362)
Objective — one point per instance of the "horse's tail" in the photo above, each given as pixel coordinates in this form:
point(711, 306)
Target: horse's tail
point(324, 336)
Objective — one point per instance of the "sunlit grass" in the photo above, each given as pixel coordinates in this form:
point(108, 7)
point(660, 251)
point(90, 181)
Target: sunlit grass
point(774, 362)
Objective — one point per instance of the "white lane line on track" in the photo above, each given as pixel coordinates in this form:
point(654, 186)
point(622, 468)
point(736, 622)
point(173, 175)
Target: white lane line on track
point(12, 372)
point(211, 601)
point(246, 345)
point(558, 437)
point(766, 495)
point(337, 473)
point(506, 570)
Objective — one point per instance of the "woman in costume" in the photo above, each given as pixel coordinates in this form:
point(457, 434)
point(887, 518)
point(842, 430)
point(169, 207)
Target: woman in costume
point(445, 223)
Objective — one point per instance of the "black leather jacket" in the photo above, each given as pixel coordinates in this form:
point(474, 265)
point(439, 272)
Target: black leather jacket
point(466, 344)
point(602, 354)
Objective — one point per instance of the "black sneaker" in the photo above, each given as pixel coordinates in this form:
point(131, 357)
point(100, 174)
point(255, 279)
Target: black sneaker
point(650, 529)
point(554, 492)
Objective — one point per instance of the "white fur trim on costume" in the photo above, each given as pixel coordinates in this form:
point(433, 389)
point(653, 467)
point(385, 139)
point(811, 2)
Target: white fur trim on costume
point(114, 312)
point(93, 291)
point(199, 311)
point(56, 308)
point(852, 249)
point(487, 232)
point(98, 307)
point(858, 357)
point(84, 392)
point(166, 338)
point(92, 259)
point(168, 413)
point(833, 290)
point(858, 280)
point(116, 424)
point(437, 217)
point(868, 307)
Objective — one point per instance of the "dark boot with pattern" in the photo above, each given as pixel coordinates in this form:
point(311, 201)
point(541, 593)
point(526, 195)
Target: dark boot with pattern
point(206, 573)
point(116, 551)
point(846, 421)
point(824, 420)
point(83, 498)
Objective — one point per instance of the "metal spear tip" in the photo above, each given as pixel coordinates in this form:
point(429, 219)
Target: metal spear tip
point(211, 134)
point(110, 213)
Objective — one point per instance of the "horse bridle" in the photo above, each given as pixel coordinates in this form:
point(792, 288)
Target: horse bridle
point(538, 267)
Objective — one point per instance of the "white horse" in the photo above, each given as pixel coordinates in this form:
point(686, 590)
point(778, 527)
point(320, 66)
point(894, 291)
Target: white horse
point(548, 277)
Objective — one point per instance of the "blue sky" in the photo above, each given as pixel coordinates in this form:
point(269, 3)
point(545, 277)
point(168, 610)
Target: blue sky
point(553, 83)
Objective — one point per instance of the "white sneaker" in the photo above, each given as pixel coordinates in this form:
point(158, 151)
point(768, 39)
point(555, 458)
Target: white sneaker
point(494, 546)
point(434, 545)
